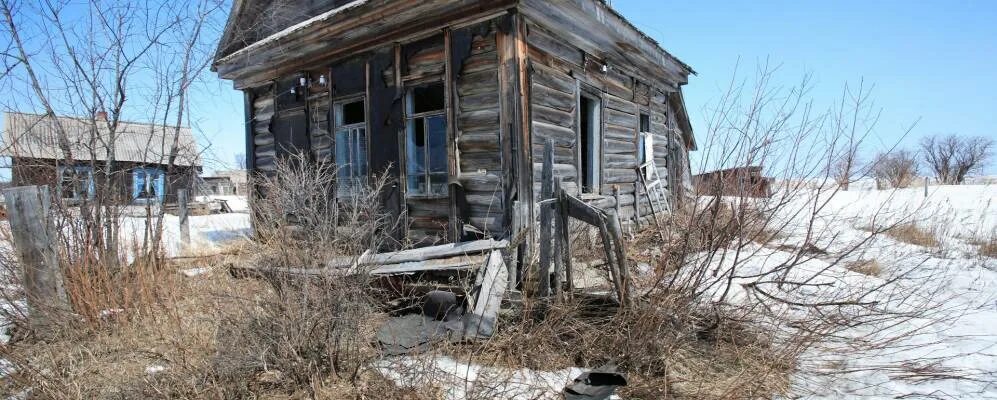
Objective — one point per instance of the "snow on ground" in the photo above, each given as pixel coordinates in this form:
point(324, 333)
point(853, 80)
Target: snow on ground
point(944, 298)
point(459, 380)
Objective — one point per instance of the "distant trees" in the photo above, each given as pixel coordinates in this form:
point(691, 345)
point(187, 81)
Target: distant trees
point(898, 168)
point(951, 158)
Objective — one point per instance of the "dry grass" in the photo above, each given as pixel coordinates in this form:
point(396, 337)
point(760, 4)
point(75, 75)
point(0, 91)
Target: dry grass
point(912, 234)
point(986, 247)
point(865, 267)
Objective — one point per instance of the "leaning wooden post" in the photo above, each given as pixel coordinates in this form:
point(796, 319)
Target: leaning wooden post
point(33, 234)
point(184, 214)
point(564, 233)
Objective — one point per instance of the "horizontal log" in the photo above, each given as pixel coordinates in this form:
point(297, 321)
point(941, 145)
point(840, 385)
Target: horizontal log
point(486, 117)
point(619, 161)
point(611, 175)
point(478, 83)
point(567, 172)
point(484, 199)
point(482, 62)
point(474, 161)
point(481, 181)
point(479, 102)
point(620, 105)
point(263, 140)
point(553, 79)
point(611, 146)
point(553, 116)
point(620, 133)
point(621, 119)
point(544, 96)
point(562, 155)
point(560, 136)
point(478, 142)
point(549, 44)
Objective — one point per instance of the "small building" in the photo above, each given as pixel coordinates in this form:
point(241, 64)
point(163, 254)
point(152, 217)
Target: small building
point(740, 181)
point(239, 179)
point(215, 186)
point(137, 170)
point(455, 99)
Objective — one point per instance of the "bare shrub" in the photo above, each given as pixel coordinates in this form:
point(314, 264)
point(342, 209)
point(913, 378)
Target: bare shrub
point(897, 169)
point(951, 158)
point(300, 220)
point(305, 331)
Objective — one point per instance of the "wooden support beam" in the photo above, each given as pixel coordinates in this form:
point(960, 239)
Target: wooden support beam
point(182, 201)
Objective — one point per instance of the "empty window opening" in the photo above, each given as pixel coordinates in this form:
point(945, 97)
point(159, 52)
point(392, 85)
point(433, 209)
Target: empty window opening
point(426, 139)
point(645, 145)
point(351, 146)
point(590, 135)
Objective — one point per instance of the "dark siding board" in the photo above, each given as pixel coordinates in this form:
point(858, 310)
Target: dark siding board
point(479, 141)
point(348, 77)
point(385, 121)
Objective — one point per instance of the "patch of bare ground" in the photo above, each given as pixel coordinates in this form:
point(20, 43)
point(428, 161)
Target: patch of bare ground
point(912, 234)
point(865, 267)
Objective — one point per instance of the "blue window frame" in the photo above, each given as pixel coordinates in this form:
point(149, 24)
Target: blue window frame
point(351, 146)
point(426, 142)
point(148, 184)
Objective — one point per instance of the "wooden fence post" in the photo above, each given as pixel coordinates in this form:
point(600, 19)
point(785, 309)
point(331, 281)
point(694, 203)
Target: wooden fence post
point(184, 214)
point(546, 217)
point(33, 234)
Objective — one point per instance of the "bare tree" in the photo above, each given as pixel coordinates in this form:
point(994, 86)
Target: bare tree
point(240, 161)
point(951, 158)
point(898, 169)
point(104, 62)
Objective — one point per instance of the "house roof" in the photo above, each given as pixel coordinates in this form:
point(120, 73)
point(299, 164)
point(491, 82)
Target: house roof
point(35, 136)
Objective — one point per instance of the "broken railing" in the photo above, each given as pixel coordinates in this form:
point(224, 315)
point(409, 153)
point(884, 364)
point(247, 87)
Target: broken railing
point(557, 209)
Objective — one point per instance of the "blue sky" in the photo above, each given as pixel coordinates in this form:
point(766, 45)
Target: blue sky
point(930, 61)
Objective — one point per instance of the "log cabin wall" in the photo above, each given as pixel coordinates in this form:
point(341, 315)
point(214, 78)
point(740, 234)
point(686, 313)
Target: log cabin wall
point(559, 75)
point(479, 138)
point(282, 123)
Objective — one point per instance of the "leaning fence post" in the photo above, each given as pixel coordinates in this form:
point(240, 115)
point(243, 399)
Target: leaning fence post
point(184, 213)
point(32, 231)
point(546, 215)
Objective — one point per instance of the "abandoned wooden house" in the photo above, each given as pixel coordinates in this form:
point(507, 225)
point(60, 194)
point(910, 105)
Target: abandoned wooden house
point(746, 181)
point(455, 99)
point(133, 168)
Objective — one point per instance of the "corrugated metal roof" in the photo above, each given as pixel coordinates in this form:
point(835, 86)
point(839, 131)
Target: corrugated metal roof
point(35, 136)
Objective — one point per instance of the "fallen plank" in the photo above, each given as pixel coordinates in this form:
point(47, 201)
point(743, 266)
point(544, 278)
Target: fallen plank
point(421, 254)
point(441, 264)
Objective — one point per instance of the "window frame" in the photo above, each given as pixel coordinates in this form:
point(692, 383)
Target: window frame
point(593, 137)
point(150, 183)
point(645, 142)
point(347, 190)
point(87, 193)
point(427, 173)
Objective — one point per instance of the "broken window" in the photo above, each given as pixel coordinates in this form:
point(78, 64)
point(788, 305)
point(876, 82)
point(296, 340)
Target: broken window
point(75, 182)
point(645, 144)
point(426, 138)
point(590, 135)
point(351, 146)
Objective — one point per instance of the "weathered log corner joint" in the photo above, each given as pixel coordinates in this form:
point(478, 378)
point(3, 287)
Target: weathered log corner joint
point(456, 99)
